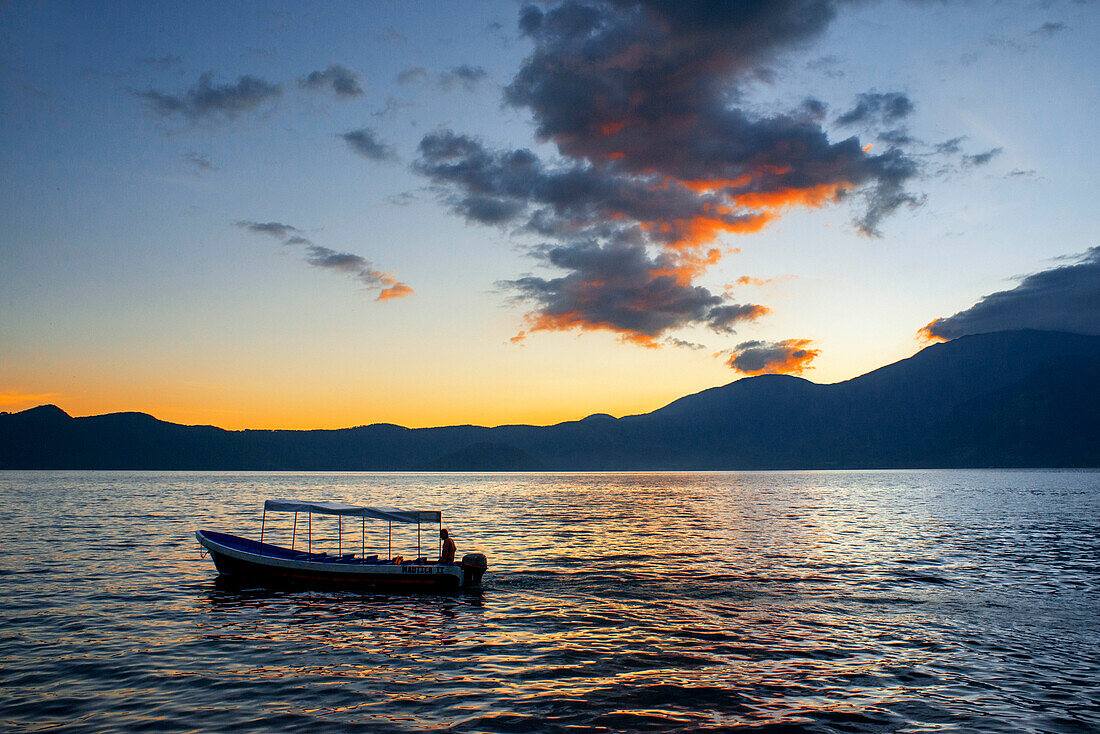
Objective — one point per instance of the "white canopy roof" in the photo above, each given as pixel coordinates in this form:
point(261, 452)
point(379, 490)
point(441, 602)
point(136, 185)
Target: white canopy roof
point(390, 514)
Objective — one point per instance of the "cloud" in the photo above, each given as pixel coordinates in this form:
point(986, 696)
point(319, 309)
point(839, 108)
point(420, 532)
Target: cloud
point(657, 161)
point(877, 108)
point(897, 136)
point(1064, 298)
point(830, 65)
point(981, 159)
point(201, 163)
point(465, 75)
point(1050, 28)
point(355, 266)
point(815, 109)
point(272, 229)
point(392, 107)
point(413, 75)
point(365, 142)
point(750, 280)
point(342, 81)
point(397, 290)
point(949, 147)
point(790, 356)
point(618, 287)
point(206, 99)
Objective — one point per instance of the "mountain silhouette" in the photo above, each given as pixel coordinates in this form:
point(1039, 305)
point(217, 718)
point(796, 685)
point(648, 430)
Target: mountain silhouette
point(1006, 399)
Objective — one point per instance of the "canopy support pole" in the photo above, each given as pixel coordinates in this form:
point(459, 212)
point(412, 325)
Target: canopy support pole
point(339, 535)
point(262, 523)
point(363, 539)
point(440, 536)
point(389, 542)
point(294, 532)
point(311, 533)
point(418, 539)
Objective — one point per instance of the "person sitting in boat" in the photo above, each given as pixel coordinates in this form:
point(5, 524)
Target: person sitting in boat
point(447, 555)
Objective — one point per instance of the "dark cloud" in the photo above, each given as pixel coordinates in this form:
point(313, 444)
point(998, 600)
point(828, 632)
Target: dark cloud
point(814, 109)
point(620, 288)
point(1050, 28)
point(207, 99)
point(199, 163)
point(673, 341)
point(981, 159)
point(413, 75)
point(898, 136)
point(830, 65)
point(392, 107)
point(790, 356)
point(657, 159)
point(272, 229)
point(516, 187)
point(365, 142)
point(356, 266)
point(949, 147)
point(1064, 298)
point(342, 81)
point(466, 76)
point(877, 108)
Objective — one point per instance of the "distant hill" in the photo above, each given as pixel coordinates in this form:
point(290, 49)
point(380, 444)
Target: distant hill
point(484, 457)
point(1006, 399)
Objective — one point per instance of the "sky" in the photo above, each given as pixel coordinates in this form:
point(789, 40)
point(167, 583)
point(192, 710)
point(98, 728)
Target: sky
point(290, 215)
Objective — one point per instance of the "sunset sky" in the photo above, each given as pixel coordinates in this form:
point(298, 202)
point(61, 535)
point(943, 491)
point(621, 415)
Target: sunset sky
point(327, 215)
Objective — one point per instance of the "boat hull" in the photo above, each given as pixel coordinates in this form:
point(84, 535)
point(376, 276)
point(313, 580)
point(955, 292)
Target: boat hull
point(246, 561)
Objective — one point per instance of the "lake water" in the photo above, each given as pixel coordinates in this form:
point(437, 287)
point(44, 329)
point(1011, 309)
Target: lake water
point(801, 601)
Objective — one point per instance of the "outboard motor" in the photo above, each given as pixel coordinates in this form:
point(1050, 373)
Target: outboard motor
point(473, 567)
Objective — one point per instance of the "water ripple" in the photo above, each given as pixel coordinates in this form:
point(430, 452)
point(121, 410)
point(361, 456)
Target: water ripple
point(776, 602)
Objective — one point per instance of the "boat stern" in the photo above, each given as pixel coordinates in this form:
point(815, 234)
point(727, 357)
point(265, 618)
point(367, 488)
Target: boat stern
point(473, 568)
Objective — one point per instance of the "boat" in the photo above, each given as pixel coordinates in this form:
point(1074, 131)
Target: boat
point(244, 560)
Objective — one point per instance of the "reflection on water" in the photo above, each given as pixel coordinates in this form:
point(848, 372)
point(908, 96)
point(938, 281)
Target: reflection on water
point(816, 601)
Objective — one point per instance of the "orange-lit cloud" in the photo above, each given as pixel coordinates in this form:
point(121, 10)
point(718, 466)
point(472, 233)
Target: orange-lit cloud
point(1065, 297)
point(927, 333)
point(397, 290)
point(579, 321)
point(613, 127)
point(814, 196)
point(656, 165)
point(708, 185)
point(349, 263)
point(790, 356)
